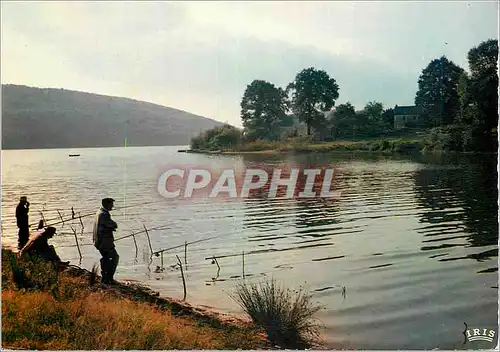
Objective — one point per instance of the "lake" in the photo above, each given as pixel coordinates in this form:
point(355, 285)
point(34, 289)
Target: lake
point(413, 239)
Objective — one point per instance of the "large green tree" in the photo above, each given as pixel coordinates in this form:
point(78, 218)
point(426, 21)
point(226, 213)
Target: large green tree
point(437, 91)
point(263, 109)
point(482, 89)
point(313, 93)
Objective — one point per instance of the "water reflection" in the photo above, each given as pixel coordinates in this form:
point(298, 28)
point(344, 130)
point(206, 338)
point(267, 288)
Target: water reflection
point(459, 199)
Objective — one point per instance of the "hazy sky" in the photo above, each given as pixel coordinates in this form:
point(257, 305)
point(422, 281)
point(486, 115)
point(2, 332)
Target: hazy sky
point(199, 56)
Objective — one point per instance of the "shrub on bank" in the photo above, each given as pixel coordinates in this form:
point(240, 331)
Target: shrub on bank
point(285, 315)
point(218, 138)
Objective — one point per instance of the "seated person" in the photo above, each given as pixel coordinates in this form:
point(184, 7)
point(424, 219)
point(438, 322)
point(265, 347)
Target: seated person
point(38, 246)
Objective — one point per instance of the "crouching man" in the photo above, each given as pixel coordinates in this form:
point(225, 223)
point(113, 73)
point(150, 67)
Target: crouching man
point(38, 245)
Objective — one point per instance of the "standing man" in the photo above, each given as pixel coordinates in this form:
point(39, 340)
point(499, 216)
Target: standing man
point(104, 240)
point(22, 210)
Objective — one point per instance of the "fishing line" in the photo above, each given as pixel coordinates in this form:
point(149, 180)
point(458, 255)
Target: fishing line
point(125, 170)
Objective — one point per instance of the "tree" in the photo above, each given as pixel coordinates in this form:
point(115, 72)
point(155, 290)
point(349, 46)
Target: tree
point(437, 91)
point(374, 110)
point(371, 121)
point(388, 118)
point(313, 93)
point(483, 89)
point(464, 98)
point(343, 120)
point(263, 108)
point(483, 58)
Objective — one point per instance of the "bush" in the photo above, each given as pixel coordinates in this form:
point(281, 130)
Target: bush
point(220, 137)
point(385, 145)
point(447, 138)
point(285, 315)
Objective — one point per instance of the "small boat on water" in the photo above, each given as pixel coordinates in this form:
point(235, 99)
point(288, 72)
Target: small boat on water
point(74, 155)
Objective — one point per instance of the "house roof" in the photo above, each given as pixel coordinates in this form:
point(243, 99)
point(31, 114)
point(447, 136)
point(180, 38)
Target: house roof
point(406, 110)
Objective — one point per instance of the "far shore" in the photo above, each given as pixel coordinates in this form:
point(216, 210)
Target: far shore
point(387, 146)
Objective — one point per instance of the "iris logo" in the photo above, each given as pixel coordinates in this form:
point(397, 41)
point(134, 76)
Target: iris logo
point(480, 335)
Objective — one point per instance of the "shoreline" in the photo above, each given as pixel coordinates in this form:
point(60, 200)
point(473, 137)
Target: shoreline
point(135, 290)
point(230, 329)
point(302, 151)
point(388, 145)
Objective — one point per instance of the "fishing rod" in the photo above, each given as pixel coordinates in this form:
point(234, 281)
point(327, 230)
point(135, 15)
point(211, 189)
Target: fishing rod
point(259, 251)
point(161, 227)
point(185, 244)
point(74, 216)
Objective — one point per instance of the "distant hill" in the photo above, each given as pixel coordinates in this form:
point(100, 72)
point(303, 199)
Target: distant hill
point(59, 118)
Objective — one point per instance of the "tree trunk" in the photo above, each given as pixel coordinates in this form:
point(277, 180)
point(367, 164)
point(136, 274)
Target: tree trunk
point(308, 129)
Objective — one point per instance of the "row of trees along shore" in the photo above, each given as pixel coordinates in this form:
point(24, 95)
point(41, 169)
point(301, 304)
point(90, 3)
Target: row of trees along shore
point(458, 110)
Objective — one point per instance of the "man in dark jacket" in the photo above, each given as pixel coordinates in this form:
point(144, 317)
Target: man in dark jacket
point(104, 240)
point(22, 210)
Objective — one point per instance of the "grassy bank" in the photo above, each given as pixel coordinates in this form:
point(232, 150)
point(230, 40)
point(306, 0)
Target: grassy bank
point(46, 309)
point(399, 145)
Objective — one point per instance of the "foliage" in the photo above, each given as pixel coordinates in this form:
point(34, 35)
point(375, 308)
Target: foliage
point(445, 138)
point(263, 110)
point(346, 123)
point(313, 93)
point(388, 119)
point(461, 108)
point(483, 91)
point(437, 91)
point(464, 97)
point(374, 110)
point(285, 315)
point(220, 137)
point(483, 58)
point(342, 121)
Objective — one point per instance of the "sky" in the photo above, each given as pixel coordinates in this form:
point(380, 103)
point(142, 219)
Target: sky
point(200, 56)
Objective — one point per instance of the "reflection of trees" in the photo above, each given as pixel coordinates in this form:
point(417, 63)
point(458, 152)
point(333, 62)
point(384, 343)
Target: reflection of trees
point(460, 199)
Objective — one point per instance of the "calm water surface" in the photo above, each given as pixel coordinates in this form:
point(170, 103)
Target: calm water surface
point(413, 240)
